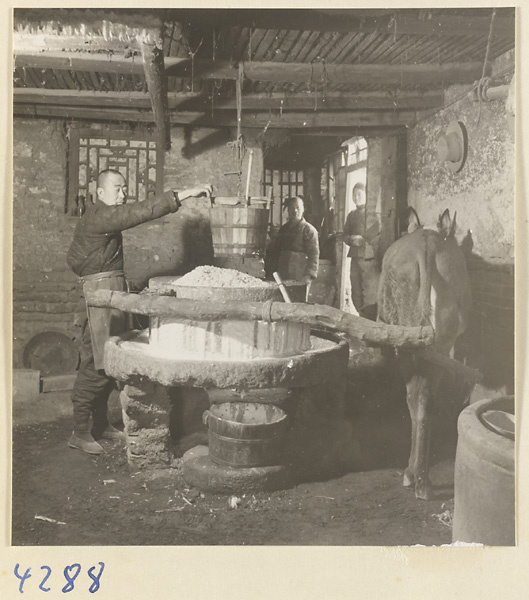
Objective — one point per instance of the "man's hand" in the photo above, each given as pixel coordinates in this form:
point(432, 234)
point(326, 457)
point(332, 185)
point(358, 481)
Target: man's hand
point(357, 240)
point(196, 192)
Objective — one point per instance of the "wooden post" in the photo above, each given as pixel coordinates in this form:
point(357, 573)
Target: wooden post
point(155, 75)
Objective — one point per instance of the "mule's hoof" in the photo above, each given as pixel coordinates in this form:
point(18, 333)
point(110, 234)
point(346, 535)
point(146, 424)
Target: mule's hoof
point(408, 480)
point(423, 492)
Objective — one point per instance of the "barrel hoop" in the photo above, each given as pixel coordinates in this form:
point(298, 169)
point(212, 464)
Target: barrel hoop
point(246, 441)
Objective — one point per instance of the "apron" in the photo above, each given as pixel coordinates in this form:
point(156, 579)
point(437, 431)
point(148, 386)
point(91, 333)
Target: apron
point(291, 266)
point(104, 322)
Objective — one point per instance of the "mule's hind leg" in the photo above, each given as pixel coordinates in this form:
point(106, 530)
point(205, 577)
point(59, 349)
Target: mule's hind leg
point(409, 477)
point(407, 367)
point(426, 386)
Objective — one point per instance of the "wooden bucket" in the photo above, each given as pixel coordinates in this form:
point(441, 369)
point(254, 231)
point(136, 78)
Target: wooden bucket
point(246, 434)
point(237, 228)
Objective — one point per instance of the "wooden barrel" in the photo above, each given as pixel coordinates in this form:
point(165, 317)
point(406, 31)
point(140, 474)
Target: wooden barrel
point(227, 339)
point(237, 229)
point(246, 434)
point(484, 478)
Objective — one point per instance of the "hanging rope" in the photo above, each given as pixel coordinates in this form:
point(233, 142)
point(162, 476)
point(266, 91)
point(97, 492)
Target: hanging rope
point(238, 145)
point(483, 81)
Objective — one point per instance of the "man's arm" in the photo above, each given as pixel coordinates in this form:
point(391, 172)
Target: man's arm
point(112, 219)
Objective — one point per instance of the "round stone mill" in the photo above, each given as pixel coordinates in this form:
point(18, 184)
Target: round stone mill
point(286, 381)
point(275, 389)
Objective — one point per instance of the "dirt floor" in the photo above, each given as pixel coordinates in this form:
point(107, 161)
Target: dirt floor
point(103, 501)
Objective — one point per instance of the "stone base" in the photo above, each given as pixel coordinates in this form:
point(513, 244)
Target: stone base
point(205, 475)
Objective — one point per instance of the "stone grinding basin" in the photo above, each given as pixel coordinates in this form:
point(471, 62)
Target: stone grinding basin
point(131, 358)
point(227, 339)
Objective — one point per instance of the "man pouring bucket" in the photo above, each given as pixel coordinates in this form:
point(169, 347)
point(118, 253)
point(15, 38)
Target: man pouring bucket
point(96, 257)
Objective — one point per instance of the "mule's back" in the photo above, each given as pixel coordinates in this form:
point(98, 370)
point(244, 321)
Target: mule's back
point(424, 281)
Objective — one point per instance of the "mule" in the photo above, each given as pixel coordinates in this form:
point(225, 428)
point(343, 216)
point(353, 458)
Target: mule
point(424, 281)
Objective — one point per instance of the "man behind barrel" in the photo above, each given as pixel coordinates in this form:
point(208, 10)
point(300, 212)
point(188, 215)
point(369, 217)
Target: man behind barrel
point(295, 252)
point(96, 256)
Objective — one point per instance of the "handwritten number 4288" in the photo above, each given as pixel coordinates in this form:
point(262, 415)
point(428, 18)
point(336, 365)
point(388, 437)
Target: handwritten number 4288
point(70, 574)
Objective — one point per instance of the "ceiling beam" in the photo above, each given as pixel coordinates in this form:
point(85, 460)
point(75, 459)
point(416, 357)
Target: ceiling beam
point(348, 127)
point(196, 101)
point(297, 120)
point(361, 74)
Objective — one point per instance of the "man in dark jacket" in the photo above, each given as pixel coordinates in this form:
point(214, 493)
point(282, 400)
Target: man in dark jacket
point(96, 256)
point(295, 252)
point(354, 237)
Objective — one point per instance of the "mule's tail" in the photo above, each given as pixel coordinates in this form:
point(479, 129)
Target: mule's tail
point(426, 267)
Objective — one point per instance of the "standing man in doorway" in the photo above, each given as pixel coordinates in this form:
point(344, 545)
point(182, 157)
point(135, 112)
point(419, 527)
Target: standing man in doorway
point(359, 251)
point(96, 257)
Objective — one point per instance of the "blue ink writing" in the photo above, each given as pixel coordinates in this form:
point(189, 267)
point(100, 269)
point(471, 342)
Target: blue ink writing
point(69, 586)
point(41, 586)
point(71, 573)
point(95, 585)
point(22, 578)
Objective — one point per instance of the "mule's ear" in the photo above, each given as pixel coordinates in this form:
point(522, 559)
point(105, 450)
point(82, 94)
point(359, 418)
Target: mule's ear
point(413, 220)
point(446, 225)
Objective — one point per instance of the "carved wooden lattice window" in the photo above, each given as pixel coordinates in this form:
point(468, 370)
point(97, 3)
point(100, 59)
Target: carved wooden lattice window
point(134, 155)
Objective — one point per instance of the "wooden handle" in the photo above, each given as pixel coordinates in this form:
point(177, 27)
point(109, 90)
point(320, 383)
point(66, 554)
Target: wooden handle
point(282, 287)
point(247, 195)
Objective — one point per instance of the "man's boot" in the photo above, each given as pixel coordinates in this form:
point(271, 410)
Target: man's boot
point(84, 441)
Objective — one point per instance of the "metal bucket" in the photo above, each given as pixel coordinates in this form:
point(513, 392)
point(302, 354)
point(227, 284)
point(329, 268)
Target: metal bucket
point(246, 434)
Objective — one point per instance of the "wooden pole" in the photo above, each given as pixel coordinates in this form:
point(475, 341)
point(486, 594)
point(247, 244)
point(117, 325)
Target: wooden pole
point(155, 75)
point(316, 315)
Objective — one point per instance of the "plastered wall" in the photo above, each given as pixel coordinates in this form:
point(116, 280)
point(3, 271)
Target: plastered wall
point(483, 195)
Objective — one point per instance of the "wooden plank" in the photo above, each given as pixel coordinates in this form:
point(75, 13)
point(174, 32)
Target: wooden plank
point(187, 101)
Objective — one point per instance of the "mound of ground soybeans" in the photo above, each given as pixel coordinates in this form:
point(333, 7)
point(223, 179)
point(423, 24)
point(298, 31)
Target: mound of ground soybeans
point(209, 276)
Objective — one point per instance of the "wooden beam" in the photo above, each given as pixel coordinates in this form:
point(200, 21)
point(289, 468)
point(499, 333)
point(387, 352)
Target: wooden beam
point(363, 74)
point(294, 120)
point(77, 61)
point(153, 64)
point(313, 314)
point(196, 101)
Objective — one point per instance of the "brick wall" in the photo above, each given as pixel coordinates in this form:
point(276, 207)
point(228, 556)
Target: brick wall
point(491, 329)
point(45, 291)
